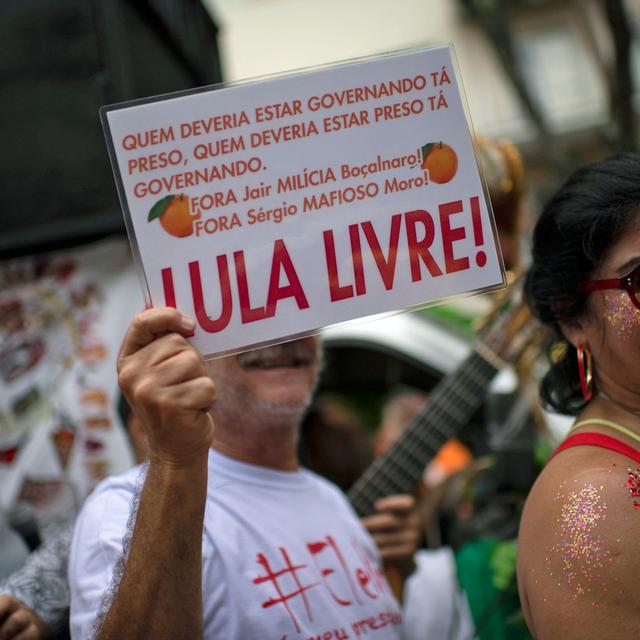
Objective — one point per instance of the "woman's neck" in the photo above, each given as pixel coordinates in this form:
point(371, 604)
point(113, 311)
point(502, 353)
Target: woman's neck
point(604, 406)
point(619, 405)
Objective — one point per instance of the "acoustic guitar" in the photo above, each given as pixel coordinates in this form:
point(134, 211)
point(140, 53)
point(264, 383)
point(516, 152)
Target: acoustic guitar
point(510, 332)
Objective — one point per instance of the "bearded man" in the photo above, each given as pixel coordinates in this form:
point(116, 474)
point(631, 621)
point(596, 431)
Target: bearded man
point(221, 534)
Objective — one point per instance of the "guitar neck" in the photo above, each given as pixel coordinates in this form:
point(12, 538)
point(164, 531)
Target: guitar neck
point(449, 408)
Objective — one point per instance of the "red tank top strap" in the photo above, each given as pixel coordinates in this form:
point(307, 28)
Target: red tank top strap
point(598, 440)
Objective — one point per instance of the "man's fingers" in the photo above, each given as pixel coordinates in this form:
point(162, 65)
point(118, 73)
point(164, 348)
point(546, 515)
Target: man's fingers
point(394, 512)
point(396, 552)
point(141, 380)
point(398, 503)
point(382, 522)
point(150, 324)
point(8, 605)
point(33, 632)
point(406, 537)
point(30, 633)
point(180, 367)
point(16, 622)
point(193, 395)
point(156, 352)
point(394, 528)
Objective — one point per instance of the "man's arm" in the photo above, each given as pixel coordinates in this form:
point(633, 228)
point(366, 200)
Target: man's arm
point(164, 381)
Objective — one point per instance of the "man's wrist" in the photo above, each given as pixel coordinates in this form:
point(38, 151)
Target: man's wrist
point(179, 466)
point(179, 474)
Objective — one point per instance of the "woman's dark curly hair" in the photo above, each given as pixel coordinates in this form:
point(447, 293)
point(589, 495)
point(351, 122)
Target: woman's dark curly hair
point(582, 221)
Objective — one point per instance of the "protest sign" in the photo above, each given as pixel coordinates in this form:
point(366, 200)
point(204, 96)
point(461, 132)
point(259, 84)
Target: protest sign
point(273, 208)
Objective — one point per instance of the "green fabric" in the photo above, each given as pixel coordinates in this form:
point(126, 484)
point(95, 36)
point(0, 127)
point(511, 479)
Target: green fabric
point(486, 573)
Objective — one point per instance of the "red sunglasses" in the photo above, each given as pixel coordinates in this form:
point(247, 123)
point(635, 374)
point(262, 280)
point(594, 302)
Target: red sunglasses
point(630, 283)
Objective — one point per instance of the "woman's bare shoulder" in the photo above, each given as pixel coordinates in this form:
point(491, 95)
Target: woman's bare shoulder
point(578, 563)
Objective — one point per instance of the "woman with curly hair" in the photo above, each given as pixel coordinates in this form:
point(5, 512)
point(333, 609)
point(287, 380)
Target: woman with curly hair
point(578, 559)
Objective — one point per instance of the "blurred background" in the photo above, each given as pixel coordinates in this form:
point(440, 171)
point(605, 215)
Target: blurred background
point(559, 79)
point(550, 85)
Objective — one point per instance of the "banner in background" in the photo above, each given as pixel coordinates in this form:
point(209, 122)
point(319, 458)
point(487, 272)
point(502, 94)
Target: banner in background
point(62, 318)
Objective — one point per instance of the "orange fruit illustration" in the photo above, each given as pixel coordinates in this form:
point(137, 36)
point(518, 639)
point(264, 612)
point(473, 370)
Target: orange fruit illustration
point(173, 213)
point(440, 160)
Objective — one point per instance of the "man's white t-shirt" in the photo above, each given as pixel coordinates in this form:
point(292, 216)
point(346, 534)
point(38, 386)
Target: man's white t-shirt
point(284, 558)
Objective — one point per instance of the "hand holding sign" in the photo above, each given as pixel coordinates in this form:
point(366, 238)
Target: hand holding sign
point(165, 382)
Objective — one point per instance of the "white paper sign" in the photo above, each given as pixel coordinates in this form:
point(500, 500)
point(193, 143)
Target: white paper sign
point(274, 208)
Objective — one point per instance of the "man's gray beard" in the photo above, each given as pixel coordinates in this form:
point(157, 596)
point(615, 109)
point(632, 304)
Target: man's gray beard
point(236, 405)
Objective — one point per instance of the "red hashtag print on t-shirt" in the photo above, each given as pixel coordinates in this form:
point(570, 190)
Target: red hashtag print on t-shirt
point(283, 598)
